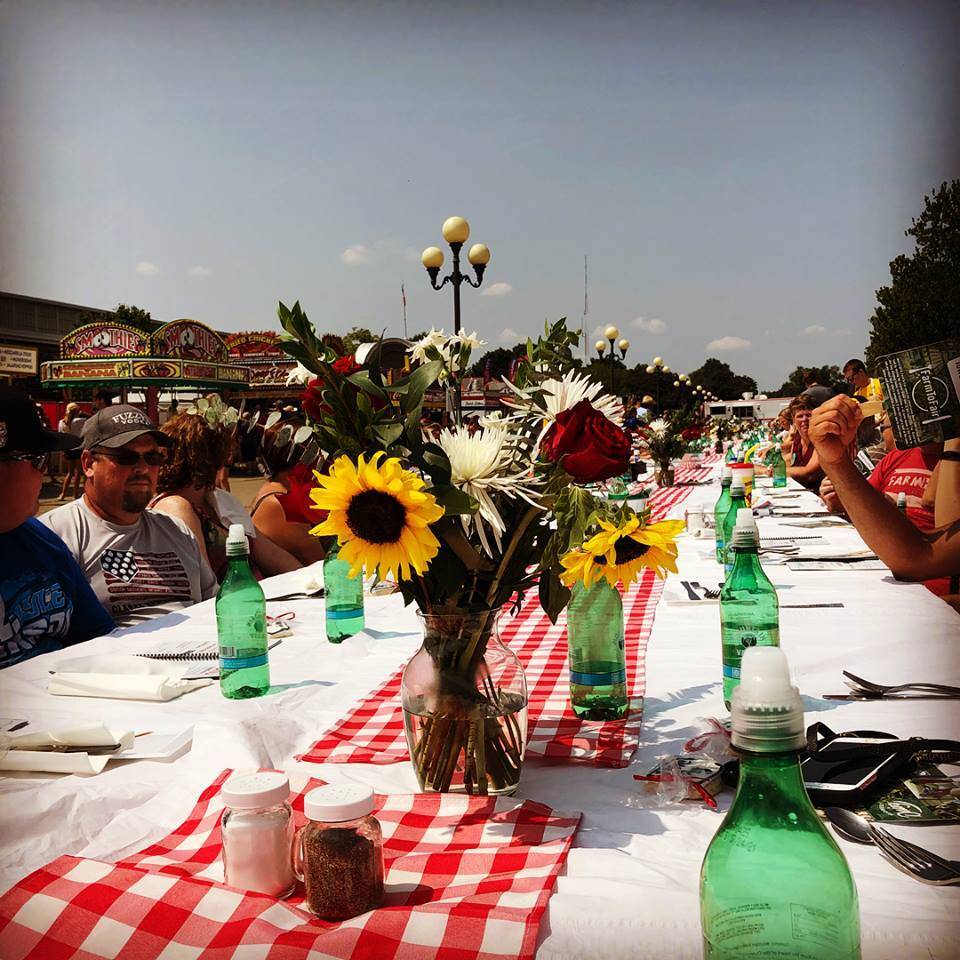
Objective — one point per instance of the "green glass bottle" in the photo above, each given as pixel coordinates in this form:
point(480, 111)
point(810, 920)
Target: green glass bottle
point(779, 466)
point(720, 511)
point(598, 667)
point(343, 597)
point(241, 624)
point(773, 882)
point(738, 500)
point(749, 608)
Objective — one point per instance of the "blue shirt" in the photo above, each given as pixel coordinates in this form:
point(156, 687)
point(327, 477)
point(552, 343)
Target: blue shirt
point(45, 602)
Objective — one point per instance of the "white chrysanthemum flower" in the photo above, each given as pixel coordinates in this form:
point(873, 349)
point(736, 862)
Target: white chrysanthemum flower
point(299, 374)
point(658, 427)
point(481, 465)
point(564, 394)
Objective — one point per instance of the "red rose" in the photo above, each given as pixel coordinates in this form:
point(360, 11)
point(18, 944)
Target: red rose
point(312, 400)
point(587, 445)
point(346, 365)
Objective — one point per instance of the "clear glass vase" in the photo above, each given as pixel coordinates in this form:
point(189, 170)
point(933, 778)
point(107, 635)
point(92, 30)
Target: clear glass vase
point(664, 474)
point(464, 699)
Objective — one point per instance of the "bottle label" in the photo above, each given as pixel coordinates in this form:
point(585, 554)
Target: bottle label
point(731, 672)
point(230, 661)
point(344, 614)
point(761, 929)
point(598, 679)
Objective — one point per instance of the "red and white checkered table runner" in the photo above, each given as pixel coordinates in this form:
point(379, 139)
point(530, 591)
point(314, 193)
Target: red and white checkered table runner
point(467, 878)
point(373, 731)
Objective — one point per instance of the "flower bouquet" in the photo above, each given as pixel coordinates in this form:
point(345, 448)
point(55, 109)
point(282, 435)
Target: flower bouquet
point(466, 524)
point(662, 440)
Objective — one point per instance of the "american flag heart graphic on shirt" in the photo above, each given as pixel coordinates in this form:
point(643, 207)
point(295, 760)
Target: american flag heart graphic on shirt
point(120, 563)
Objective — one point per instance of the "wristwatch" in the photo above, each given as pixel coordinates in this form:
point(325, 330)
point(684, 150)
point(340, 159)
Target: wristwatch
point(950, 455)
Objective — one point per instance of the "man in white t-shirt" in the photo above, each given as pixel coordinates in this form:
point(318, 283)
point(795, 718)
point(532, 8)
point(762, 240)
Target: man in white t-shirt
point(140, 563)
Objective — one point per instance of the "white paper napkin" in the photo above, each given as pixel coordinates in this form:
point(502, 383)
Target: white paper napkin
point(122, 686)
point(22, 753)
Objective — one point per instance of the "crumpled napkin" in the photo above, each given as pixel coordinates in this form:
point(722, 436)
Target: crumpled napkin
point(26, 752)
point(119, 677)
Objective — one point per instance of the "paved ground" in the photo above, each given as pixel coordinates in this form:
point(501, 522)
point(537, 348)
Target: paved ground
point(243, 488)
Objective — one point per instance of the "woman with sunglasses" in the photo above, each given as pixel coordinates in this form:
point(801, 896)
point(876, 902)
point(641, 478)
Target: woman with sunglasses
point(188, 491)
point(45, 601)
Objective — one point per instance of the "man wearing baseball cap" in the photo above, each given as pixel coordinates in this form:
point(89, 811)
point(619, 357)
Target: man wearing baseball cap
point(45, 601)
point(140, 563)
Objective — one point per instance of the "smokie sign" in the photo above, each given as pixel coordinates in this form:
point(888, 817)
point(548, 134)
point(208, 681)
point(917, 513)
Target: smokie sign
point(189, 340)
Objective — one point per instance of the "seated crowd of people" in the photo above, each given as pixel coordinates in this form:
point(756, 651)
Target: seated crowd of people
point(147, 535)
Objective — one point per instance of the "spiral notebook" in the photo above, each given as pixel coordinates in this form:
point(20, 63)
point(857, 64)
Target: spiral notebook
point(190, 650)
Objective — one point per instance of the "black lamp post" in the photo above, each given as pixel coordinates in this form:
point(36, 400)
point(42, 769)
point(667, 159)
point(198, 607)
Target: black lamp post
point(455, 231)
point(658, 368)
point(611, 333)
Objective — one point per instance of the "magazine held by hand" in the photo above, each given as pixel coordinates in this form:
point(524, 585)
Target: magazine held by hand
point(922, 392)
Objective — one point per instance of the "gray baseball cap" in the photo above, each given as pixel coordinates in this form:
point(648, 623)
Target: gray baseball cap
point(119, 424)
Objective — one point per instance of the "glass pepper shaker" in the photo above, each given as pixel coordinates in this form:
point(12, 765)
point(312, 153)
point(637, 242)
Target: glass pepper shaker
point(339, 853)
point(257, 830)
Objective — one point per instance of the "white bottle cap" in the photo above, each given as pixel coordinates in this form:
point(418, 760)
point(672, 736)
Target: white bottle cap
point(248, 791)
point(237, 540)
point(745, 532)
point(901, 499)
point(766, 711)
point(726, 472)
point(337, 802)
point(737, 487)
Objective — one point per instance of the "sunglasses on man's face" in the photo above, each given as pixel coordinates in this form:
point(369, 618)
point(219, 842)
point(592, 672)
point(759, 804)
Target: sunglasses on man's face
point(37, 460)
point(130, 458)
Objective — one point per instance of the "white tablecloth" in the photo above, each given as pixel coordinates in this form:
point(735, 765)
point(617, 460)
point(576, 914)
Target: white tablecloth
point(630, 885)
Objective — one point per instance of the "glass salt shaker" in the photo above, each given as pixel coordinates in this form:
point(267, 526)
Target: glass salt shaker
point(339, 853)
point(257, 830)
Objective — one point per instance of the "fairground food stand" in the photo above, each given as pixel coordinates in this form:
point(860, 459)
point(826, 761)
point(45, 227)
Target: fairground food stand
point(182, 354)
point(259, 351)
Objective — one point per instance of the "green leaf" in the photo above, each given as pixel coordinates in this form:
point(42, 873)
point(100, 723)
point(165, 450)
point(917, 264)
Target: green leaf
point(453, 500)
point(389, 433)
point(554, 596)
point(418, 383)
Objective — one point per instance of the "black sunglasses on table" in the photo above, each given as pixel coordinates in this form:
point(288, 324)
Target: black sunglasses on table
point(38, 460)
point(130, 458)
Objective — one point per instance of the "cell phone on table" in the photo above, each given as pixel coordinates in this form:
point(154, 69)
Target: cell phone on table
point(829, 780)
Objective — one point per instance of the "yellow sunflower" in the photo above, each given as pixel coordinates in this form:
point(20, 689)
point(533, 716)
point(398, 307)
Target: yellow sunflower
point(620, 552)
point(380, 515)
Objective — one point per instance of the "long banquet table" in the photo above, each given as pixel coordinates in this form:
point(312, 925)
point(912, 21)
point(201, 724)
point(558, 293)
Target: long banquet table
point(629, 888)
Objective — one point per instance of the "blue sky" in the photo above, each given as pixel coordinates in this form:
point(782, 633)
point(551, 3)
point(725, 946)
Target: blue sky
point(739, 175)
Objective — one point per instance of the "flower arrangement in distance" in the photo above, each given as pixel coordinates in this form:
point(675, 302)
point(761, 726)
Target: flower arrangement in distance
point(469, 525)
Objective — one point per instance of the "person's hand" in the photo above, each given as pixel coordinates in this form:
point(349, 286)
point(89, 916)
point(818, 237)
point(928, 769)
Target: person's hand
point(833, 429)
point(829, 496)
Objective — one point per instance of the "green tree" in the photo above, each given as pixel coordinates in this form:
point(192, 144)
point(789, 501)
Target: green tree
point(124, 313)
point(829, 376)
point(717, 377)
point(922, 303)
point(357, 335)
point(499, 361)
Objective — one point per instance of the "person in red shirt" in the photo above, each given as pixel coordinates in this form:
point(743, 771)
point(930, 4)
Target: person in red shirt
point(909, 472)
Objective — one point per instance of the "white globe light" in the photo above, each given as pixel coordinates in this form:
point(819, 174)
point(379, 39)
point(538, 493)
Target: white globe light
point(432, 258)
point(455, 230)
point(658, 361)
point(611, 333)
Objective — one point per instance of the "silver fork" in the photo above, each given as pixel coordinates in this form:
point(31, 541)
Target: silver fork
point(880, 689)
point(916, 861)
point(707, 592)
